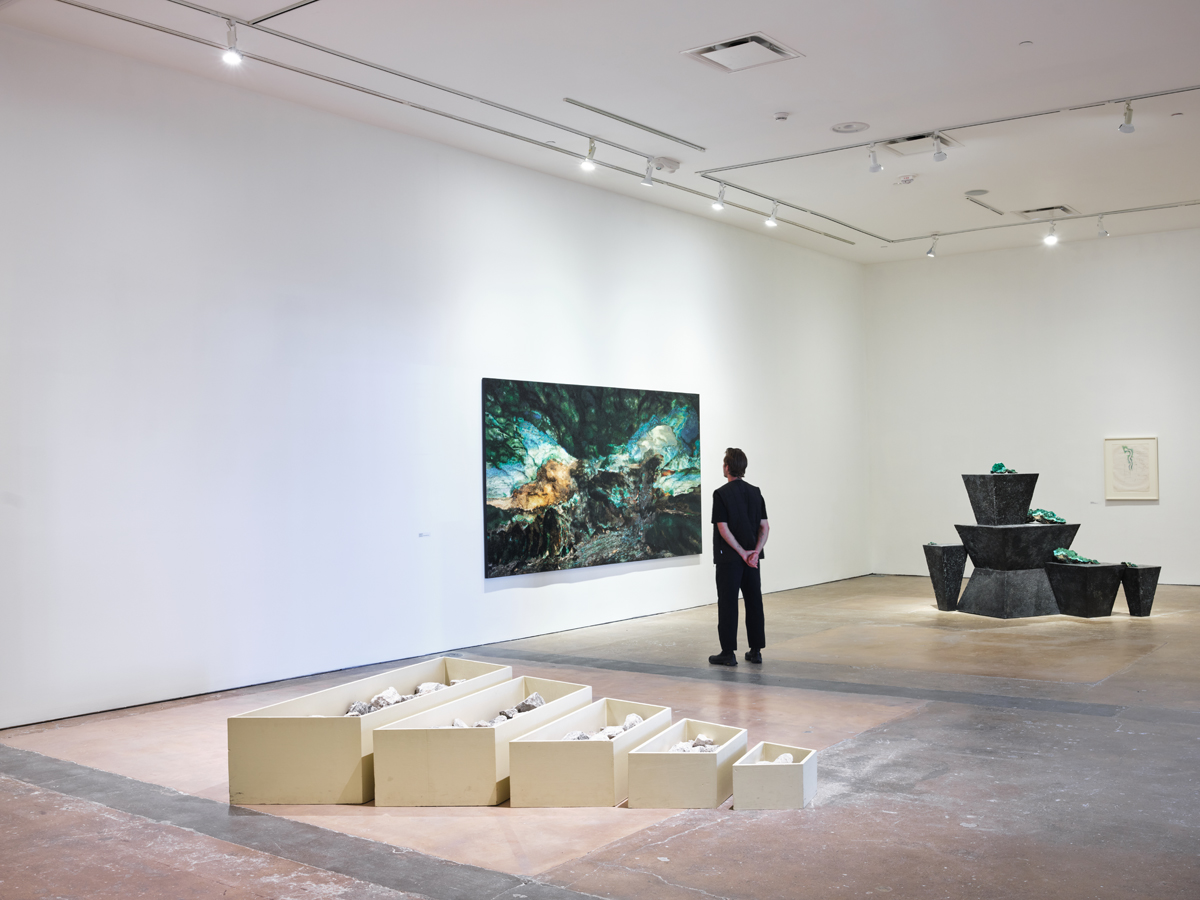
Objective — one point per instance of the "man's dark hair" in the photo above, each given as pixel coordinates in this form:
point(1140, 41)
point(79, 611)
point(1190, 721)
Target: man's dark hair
point(736, 460)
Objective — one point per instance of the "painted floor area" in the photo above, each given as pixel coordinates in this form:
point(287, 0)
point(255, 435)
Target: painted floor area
point(960, 757)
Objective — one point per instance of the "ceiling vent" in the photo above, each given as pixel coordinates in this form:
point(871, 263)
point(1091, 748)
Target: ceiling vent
point(1047, 212)
point(917, 144)
point(745, 52)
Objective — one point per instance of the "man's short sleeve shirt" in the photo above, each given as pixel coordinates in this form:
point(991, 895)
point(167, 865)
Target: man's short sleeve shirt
point(739, 505)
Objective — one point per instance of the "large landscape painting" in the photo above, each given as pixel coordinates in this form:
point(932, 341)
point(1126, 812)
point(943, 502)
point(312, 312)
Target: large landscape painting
point(585, 476)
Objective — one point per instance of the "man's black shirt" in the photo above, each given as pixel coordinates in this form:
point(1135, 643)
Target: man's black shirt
point(740, 506)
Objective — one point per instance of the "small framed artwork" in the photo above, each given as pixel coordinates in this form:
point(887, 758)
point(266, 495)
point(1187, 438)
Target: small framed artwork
point(1131, 468)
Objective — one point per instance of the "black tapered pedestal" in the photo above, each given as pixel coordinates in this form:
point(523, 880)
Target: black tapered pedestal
point(1000, 499)
point(1140, 584)
point(1011, 594)
point(946, 564)
point(1088, 590)
point(1010, 547)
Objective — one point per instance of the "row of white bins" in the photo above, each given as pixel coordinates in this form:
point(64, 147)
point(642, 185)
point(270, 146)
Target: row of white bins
point(307, 751)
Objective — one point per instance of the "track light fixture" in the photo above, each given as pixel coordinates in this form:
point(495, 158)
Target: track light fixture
point(875, 166)
point(587, 165)
point(771, 222)
point(648, 181)
point(1126, 127)
point(932, 251)
point(1051, 239)
point(939, 155)
point(1101, 231)
point(720, 204)
point(231, 56)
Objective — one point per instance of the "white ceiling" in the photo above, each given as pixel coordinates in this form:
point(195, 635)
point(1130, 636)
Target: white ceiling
point(904, 68)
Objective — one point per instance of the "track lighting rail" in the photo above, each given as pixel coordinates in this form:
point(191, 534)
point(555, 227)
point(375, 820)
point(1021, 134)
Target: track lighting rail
point(280, 12)
point(934, 131)
point(284, 36)
point(721, 201)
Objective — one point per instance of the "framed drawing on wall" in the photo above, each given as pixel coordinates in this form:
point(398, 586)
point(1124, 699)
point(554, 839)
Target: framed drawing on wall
point(1131, 468)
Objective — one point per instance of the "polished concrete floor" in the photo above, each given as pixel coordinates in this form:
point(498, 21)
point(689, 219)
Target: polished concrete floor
point(959, 757)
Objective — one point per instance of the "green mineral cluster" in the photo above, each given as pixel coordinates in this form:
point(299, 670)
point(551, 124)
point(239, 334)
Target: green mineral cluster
point(1130, 565)
point(1063, 555)
point(1001, 469)
point(1046, 517)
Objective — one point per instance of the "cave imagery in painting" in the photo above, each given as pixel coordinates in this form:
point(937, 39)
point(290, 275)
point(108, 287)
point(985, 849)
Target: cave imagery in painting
point(585, 476)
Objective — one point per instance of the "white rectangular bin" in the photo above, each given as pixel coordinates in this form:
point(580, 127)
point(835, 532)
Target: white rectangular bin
point(659, 779)
point(307, 750)
point(547, 771)
point(421, 762)
point(774, 785)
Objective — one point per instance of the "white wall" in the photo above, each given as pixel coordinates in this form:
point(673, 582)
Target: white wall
point(241, 345)
point(1032, 357)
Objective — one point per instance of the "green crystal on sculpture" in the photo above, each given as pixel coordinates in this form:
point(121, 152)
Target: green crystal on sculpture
point(1001, 469)
point(1063, 555)
point(1130, 565)
point(1045, 517)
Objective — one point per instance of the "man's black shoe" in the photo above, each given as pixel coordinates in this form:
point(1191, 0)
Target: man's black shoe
point(754, 656)
point(724, 659)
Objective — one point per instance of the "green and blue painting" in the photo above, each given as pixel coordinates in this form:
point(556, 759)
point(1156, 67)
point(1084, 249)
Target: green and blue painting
point(578, 476)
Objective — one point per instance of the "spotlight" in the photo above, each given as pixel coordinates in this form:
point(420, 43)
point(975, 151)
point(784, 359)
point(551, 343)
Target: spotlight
point(1101, 231)
point(587, 165)
point(875, 166)
point(932, 251)
point(771, 222)
point(939, 155)
point(1051, 239)
point(648, 181)
point(720, 204)
point(1126, 127)
point(231, 57)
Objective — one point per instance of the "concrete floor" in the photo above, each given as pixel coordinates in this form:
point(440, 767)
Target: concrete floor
point(959, 757)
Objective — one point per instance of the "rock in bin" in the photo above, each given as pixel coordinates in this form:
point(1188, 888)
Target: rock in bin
point(358, 708)
point(702, 744)
point(779, 760)
point(390, 697)
point(533, 701)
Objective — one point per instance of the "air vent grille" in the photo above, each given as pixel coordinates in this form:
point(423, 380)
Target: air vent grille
point(746, 52)
point(919, 143)
point(1047, 212)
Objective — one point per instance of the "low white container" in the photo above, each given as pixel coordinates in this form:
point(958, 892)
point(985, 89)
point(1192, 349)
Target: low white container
point(659, 779)
point(307, 750)
point(546, 771)
point(774, 785)
point(419, 762)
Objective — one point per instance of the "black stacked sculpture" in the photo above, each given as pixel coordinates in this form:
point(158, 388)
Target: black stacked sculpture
point(1016, 574)
point(1009, 555)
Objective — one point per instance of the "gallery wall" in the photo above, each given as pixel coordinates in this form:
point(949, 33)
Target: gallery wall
point(241, 344)
point(1032, 357)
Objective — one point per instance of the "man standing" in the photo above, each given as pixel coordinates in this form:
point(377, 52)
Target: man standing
point(739, 517)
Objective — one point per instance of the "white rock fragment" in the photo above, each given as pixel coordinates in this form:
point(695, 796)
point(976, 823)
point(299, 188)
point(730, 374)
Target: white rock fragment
point(482, 723)
point(390, 697)
point(611, 731)
point(358, 708)
point(533, 701)
point(510, 713)
point(459, 723)
point(576, 736)
point(702, 744)
point(428, 687)
point(454, 681)
point(631, 720)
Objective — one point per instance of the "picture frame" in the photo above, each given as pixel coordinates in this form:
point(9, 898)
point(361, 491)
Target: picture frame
point(1131, 468)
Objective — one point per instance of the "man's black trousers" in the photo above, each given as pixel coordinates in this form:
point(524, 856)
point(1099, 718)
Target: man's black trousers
point(730, 579)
